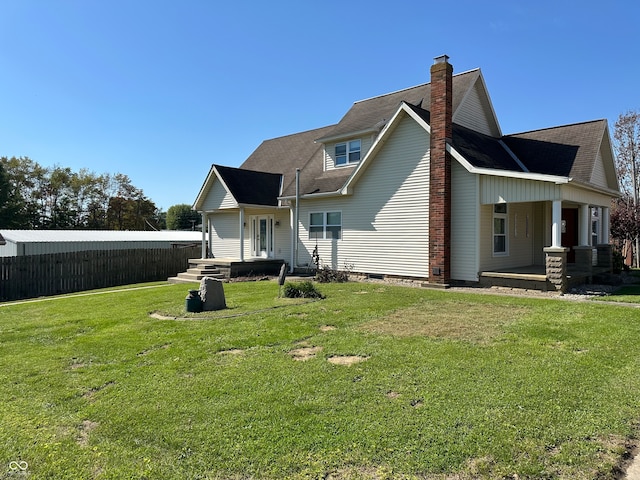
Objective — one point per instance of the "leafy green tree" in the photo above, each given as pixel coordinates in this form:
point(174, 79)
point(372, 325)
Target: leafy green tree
point(10, 204)
point(57, 197)
point(182, 217)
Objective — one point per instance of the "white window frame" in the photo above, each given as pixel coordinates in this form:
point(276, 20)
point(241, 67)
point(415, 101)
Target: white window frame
point(504, 216)
point(349, 150)
point(325, 226)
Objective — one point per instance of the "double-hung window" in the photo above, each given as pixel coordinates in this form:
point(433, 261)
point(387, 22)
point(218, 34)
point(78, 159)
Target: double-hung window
point(347, 152)
point(325, 225)
point(500, 229)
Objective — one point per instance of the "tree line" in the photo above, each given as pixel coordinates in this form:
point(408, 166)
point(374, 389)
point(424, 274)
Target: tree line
point(37, 197)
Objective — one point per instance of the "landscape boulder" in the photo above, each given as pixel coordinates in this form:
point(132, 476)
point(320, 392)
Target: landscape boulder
point(212, 294)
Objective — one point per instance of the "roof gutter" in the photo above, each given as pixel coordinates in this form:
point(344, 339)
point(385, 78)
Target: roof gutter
point(336, 193)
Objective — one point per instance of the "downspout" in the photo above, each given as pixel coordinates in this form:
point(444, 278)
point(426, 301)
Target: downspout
point(296, 220)
point(241, 226)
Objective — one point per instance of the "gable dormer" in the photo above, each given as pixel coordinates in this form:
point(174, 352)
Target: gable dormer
point(346, 152)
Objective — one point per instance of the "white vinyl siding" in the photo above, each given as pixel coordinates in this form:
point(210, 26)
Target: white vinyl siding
point(330, 150)
point(581, 195)
point(225, 228)
point(465, 213)
point(475, 112)
point(599, 175)
point(385, 228)
point(520, 238)
point(218, 198)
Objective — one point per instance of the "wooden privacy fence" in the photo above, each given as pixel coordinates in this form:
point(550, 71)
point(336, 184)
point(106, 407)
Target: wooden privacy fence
point(52, 274)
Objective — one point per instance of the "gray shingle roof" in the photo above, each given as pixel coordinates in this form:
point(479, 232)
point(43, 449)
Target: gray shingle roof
point(366, 114)
point(568, 150)
point(284, 154)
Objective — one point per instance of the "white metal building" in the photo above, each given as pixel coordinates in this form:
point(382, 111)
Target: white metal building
point(38, 242)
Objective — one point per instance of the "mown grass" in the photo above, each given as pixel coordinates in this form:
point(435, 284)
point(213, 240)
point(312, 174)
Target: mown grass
point(453, 384)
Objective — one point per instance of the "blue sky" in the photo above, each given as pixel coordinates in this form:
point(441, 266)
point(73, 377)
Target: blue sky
point(159, 90)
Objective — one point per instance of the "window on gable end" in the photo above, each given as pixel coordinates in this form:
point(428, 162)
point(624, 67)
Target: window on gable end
point(347, 152)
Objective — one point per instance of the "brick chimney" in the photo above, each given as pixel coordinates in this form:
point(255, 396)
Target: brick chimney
point(440, 172)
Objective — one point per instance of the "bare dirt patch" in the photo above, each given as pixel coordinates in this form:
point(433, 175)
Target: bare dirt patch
point(85, 429)
point(392, 395)
point(473, 322)
point(346, 359)
point(327, 328)
point(89, 394)
point(231, 351)
point(305, 353)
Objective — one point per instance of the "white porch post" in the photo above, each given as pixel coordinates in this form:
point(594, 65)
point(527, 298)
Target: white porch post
point(210, 233)
point(204, 235)
point(604, 219)
point(585, 225)
point(241, 234)
point(556, 225)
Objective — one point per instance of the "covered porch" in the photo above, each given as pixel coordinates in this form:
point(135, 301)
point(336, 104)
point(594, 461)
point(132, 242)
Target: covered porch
point(535, 277)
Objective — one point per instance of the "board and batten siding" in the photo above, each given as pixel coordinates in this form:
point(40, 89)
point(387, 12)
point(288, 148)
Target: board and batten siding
point(218, 198)
point(475, 112)
point(520, 240)
point(465, 213)
point(514, 190)
point(385, 224)
point(330, 151)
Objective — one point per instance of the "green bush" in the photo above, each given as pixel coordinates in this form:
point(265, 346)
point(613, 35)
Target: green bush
point(301, 290)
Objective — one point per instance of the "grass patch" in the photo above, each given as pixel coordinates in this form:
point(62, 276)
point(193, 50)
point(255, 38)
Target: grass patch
point(473, 321)
point(451, 385)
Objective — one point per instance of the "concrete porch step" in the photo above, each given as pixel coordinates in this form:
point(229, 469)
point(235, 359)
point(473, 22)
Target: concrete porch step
point(194, 277)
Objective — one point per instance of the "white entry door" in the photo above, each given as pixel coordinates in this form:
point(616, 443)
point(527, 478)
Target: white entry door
point(262, 236)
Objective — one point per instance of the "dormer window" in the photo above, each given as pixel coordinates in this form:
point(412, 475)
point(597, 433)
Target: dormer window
point(348, 152)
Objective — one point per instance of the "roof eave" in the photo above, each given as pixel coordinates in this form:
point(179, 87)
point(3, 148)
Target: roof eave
point(344, 136)
point(598, 189)
point(197, 205)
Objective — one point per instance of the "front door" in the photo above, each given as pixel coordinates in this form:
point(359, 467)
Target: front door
point(262, 236)
point(570, 232)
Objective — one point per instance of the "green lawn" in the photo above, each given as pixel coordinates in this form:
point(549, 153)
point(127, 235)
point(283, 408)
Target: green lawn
point(479, 386)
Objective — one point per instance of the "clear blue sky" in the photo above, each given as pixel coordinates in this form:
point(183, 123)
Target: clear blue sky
point(159, 90)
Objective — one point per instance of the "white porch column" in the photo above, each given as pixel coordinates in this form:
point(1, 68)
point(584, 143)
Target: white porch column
point(604, 219)
point(584, 225)
point(204, 235)
point(210, 234)
point(242, 234)
point(556, 224)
